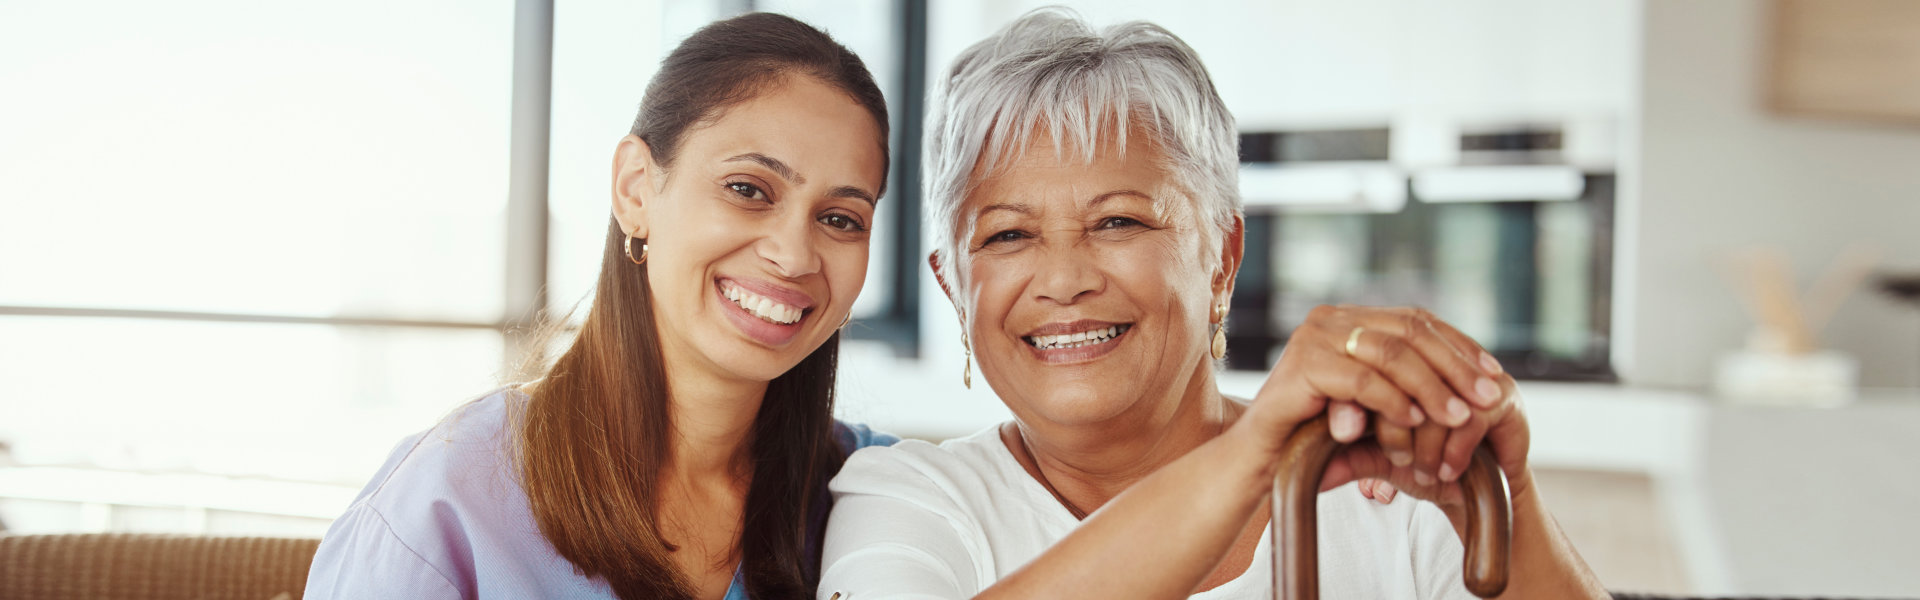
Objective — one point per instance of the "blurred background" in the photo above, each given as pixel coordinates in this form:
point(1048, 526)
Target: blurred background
point(246, 247)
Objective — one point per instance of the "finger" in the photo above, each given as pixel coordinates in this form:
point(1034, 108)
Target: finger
point(1366, 488)
point(1354, 462)
point(1343, 378)
point(1397, 358)
point(1507, 430)
point(1346, 421)
point(1462, 364)
point(1483, 386)
point(1429, 445)
point(1458, 450)
point(1384, 492)
point(1396, 442)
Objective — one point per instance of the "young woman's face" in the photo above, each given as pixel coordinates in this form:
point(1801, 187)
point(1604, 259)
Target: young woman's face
point(758, 234)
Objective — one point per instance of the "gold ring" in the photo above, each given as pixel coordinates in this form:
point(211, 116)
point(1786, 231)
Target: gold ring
point(1353, 341)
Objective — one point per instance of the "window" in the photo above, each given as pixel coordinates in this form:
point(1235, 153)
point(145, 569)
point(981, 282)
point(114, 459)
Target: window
point(238, 225)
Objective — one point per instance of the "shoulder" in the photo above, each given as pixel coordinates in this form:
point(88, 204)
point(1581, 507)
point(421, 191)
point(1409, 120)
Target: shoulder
point(963, 477)
point(917, 519)
point(968, 458)
point(440, 499)
point(854, 436)
point(469, 452)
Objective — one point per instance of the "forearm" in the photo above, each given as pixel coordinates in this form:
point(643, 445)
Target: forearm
point(1543, 563)
point(1160, 538)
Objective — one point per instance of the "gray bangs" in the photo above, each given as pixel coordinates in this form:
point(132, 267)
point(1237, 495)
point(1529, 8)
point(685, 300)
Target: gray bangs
point(1048, 73)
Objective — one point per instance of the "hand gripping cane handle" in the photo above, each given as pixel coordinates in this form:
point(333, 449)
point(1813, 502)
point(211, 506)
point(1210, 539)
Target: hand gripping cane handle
point(1296, 486)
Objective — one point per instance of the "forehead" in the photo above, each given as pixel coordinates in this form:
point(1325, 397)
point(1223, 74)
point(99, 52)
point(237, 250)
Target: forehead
point(1042, 171)
point(817, 129)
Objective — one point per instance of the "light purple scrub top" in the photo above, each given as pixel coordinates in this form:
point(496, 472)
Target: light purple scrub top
point(445, 518)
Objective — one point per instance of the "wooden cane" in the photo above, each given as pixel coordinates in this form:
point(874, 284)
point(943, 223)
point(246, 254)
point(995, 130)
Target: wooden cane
point(1303, 460)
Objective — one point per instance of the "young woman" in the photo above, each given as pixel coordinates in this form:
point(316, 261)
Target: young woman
point(681, 446)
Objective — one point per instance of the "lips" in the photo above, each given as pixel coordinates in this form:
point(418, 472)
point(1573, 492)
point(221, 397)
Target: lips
point(767, 313)
point(1077, 341)
point(764, 307)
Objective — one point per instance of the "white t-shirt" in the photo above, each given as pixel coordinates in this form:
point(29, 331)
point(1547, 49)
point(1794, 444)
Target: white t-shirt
point(921, 521)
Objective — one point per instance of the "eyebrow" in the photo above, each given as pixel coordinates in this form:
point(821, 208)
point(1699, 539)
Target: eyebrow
point(774, 164)
point(847, 191)
point(1028, 210)
point(1019, 208)
point(1118, 193)
point(786, 172)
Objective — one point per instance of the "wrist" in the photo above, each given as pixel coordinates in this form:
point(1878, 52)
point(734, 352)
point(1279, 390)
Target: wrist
point(1520, 486)
point(1250, 454)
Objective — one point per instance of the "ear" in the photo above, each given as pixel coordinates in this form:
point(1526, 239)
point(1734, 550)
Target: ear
point(635, 183)
point(1232, 249)
point(933, 262)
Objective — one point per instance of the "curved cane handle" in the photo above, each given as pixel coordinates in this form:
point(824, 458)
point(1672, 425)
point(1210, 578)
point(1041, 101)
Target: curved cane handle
point(1303, 460)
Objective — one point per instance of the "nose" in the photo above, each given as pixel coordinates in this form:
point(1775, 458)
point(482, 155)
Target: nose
point(1066, 276)
point(789, 248)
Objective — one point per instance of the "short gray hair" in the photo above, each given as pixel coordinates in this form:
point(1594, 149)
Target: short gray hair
point(1049, 68)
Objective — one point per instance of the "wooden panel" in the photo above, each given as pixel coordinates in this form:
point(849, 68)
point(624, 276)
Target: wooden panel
point(1851, 58)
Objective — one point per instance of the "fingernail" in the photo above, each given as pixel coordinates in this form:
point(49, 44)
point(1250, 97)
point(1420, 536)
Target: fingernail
point(1487, 362)
point(1488, 391)
point(1457, 412)
point(1346, 425)
point(1417, 416)
point(1400, 458)
point(1422, 478)
point(1446, 473)
point(1385, 493)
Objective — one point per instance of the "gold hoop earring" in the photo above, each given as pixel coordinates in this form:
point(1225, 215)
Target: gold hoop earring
point(1220, 334)
point(966, 377)
point(844, 322)
point(643, 249)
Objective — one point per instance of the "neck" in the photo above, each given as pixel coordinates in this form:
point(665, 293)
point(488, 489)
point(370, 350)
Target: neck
point(1088, 466)
point(711, 424)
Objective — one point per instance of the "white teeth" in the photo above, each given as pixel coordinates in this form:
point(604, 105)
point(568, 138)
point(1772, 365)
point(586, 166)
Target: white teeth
point(1075, 340)
point(761, 306)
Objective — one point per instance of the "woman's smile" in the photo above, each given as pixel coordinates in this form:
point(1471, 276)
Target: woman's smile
point(768, 313)
point(1076, 341)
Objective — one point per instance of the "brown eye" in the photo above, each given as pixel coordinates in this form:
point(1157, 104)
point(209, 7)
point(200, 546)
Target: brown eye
point(841, 222)
point(747, 190)
point(1005, 236)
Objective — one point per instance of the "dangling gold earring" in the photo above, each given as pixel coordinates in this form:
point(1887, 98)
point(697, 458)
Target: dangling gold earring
point(643, 250)
point(1220, 334)
point(967, 377)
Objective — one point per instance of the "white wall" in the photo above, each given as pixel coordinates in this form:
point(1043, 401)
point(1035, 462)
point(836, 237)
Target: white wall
point(1720, 173)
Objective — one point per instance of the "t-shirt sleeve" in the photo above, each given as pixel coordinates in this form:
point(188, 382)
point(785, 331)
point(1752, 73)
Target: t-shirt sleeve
point(361, 557)
point(1438, 570)
point(854, 436)
point(894, 534)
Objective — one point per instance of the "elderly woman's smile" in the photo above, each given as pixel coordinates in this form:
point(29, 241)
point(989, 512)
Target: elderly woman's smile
point(1054, 340)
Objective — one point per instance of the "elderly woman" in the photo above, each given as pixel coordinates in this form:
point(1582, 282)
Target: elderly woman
point(1082, 188)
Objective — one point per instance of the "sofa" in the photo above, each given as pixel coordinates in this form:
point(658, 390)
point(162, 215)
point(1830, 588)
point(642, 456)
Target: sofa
point(131, 566)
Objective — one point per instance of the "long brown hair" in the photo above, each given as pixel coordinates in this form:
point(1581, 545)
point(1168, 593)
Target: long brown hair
point(592, 440)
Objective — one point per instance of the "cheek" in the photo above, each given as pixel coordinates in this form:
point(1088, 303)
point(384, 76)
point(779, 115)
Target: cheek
point(847, 264)
point(1160, 268)
point(993, 284)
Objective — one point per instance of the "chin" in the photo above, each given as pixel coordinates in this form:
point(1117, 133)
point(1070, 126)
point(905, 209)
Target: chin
point(753, 362)
point(1082, 402)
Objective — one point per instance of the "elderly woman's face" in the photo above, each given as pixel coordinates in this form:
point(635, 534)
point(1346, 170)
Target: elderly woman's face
point(1087, 286)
